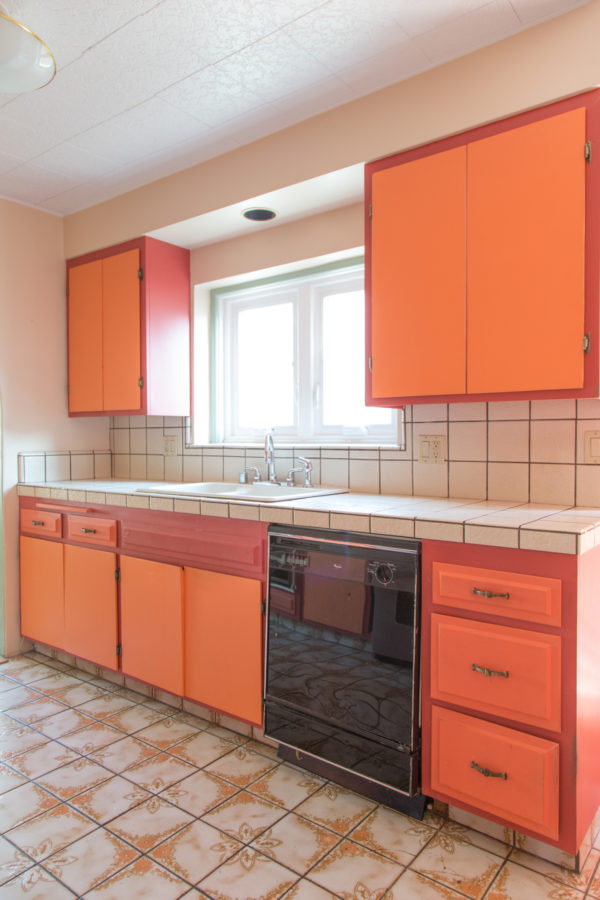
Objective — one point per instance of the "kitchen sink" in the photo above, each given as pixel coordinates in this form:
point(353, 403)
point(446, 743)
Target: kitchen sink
point(260, 492)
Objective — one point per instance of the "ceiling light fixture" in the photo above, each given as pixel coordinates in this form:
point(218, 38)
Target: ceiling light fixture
point(26, 64)
point(259, 214)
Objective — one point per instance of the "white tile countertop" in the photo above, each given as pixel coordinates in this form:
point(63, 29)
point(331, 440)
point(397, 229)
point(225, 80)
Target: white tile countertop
point(496, 523)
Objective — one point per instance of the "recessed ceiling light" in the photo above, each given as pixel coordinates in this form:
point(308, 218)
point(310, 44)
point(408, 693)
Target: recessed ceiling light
point(259, 214)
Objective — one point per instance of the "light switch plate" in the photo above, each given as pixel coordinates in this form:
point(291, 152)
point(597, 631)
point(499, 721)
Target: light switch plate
point(170, 446)
point(432, 448)
point(592, 446)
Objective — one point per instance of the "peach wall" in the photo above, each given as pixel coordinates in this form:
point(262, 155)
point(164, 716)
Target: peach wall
point(33, 367)
point(312, 236)
point(549, 61)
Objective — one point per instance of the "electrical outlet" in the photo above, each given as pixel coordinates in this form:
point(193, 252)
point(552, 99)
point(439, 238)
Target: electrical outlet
point(432, 448)
point(592, 446)
point(170, 445)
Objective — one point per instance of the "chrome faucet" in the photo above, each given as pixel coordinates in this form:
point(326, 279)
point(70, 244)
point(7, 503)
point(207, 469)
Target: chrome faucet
point(270, 457)
point(306, 467)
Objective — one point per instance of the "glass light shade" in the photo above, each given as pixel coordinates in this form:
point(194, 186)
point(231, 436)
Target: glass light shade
point(25, 62)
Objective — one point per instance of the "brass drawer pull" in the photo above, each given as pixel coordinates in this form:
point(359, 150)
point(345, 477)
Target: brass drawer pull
point(89, 530)
point(490, 594)
point(35, 522)
point(488, 772)
point(488, 672)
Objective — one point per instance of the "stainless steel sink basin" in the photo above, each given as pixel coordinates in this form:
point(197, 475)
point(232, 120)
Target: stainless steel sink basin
point(261, 492)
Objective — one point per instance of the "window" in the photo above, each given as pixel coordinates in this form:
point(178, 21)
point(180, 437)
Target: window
point(289, 354)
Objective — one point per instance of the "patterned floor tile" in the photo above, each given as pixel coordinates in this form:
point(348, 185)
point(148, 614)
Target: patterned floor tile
point(16, 738)
point(412, 886)
point(25, 670)
point(248, 876)
point(353, 871)
point(17, 697)
point(244, 816)
point(202, 749)
point(455, 831)
point(74, 778)
point(580, 882)
point(141, 880)
point(43, 759)
point(78, 694)
point(106, 705)
point(287, 786)
point(90, 860)
point(55, 682)
point(296, 843)
point(199, 793)
point(38, 709)
point(307, 890)
point(336, 808)
point(9, 779)
point(241, 766)
point(7, 684)
point(123, 754)
point(167, 732)
point(458, 865)
point(24, 803)
point(12, 861)
point(63, 723)
point(135, 719)
point(264, 748)
point(160, 772)
point(92, 737)
point(50, 832)
point(148, 824)
point(517, 883)
point(392, 834)
point(195, 851)
point(226, 734)
point(35, 884)
point(110, 799)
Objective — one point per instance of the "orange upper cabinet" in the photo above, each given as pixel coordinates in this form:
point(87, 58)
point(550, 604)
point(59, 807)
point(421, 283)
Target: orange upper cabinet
point(477, 274)
point(128, 329)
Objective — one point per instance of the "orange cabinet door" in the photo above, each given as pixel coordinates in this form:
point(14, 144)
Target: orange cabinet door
point(42, 594)
point(152, 622)
point(526, 237)
point(121, 331)
point(418, 277)
point(85, 337)
point(223, 642)
point(91, 605)
point(498, 770)
point(503, 671)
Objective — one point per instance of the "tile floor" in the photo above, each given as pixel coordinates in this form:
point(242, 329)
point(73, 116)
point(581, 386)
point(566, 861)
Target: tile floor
point(106, 794)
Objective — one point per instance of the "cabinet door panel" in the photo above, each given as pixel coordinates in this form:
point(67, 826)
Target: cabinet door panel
point(418, 338)
point(85, 337)
point(152, 622)
point(42, 603)
point(91, 605)
point(121, 331)
point(526, 231)
point(223, 642)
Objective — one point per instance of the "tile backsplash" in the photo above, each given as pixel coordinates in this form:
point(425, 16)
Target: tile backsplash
point(532, 451)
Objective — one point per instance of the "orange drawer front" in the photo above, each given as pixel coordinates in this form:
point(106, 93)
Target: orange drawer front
point(36, 521)
point(90, 530)
point(495, 669)
point(530, 598)
point(498, 770)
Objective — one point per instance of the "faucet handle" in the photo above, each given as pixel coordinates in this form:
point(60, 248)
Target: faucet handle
point(308, 466)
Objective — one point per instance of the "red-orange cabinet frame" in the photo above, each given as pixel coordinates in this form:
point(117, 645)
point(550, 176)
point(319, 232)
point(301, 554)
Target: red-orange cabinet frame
point(514, 318)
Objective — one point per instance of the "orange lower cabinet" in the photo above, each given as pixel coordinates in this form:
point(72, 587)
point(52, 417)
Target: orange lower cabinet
point(498, 770)
point(42, 596)
point(152, 622)
point(91, 605)
point(223, 642)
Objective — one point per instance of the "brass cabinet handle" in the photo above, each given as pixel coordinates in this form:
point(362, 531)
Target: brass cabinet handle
point(89, 530)
point(488, 672)
point(488, 772)
point(34, 522)
point(490, 594)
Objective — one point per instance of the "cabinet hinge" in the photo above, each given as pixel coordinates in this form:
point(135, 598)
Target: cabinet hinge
point(370, 210)
point(263, 607)
point(587, 151)
point(140, 382)
point(117, 574)
point(370, 364)
point(587, 342)
point(119, 649)
point(140, 274)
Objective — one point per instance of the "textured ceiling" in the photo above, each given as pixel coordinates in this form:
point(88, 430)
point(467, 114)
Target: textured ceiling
point(145, 88)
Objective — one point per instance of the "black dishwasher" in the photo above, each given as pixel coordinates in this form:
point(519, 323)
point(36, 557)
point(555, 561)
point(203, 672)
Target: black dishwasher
point(342, 662)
